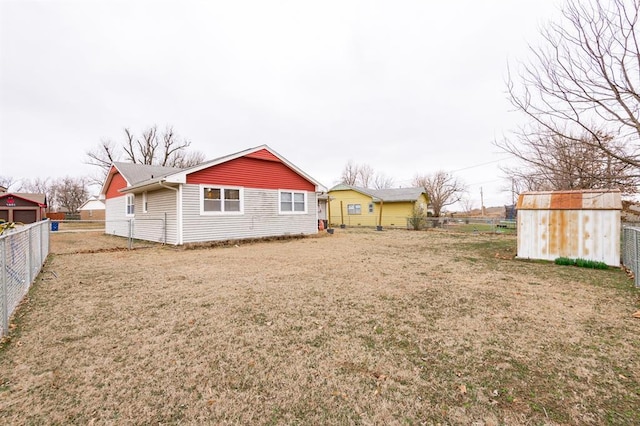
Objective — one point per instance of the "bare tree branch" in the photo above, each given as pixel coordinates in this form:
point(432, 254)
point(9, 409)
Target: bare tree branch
point(552, 162)
point(584, 80)
point(349, 174)
point(144, 150)
point(364, 176)
point(442, 188)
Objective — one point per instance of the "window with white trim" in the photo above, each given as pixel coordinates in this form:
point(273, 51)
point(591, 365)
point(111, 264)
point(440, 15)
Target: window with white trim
point(354, 209)
point(221, 200)
point(145, 205)
point(293, 202)
point(130, 205)
point(370, 207)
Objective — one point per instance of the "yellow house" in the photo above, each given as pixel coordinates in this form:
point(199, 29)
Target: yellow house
point(353, 206)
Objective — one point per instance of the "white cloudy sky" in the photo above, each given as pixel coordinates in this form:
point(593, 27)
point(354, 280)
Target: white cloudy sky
point(405, 86)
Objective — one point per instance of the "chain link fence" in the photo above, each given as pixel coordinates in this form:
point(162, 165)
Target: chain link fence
point(465, 224)
point(23, 251)
point(631, 251)
point(96, 235)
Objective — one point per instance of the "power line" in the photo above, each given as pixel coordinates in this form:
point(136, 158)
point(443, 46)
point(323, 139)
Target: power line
point(478, 165)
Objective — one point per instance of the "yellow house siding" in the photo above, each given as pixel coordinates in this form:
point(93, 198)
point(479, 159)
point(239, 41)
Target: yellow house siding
point(351, 197)
point(393, 214)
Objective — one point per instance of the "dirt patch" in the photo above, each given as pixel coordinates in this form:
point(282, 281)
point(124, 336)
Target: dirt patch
point(359, 327)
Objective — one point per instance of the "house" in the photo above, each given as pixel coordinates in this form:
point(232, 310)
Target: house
point(575, 224)
point(353, 206)
point(253, 193)
point(92, 209)
point(22, 207)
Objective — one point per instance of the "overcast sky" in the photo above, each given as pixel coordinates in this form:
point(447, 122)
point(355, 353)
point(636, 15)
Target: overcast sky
point(407, 87)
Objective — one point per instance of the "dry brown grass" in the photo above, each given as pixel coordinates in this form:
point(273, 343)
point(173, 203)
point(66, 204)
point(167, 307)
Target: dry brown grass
point(361, 327)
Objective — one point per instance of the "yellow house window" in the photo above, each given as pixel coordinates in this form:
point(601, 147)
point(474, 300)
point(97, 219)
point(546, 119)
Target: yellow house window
point(354, 209)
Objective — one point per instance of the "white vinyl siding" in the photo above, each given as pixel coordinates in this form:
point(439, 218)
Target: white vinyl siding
point(116, 220)
point(158, 224)
point(161, 213)
point(261, 217)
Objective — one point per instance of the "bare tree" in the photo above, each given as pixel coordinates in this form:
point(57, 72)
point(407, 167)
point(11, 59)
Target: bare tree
point(7, 182)
point(70, 192)
point(585, 79)
point(40, 186)
point(349, 174)
point(363, 175)
point(443, 189)
point(467, 204)
point(554, 162)
point(152, 147)
point(382, 181)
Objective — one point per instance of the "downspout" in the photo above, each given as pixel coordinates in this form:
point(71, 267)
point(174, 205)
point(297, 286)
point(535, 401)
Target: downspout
point(178, 210)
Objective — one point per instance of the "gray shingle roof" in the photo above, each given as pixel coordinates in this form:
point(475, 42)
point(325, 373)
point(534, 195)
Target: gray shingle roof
point(389, 195)
point(397, 194)
point(136, 173)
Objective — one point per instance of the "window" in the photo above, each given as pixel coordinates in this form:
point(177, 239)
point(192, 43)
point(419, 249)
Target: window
point(370, 207)
point(293, 202)
point(130, 205)
point(221, 200)
point(354, 209)
point(144, 203)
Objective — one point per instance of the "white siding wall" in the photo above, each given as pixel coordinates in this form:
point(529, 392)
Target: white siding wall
point(150, 226)
point(260, 218)
point(116, 222)
point(146, 226)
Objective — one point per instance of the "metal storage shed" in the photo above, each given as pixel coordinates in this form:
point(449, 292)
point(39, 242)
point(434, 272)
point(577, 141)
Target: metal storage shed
point(575, 224)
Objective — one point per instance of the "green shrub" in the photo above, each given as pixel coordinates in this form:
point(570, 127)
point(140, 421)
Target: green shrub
point(418, 218)
point(593, 264)
point(582, 263)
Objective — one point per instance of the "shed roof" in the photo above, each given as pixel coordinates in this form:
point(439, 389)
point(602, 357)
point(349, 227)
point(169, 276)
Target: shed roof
point(591, 199)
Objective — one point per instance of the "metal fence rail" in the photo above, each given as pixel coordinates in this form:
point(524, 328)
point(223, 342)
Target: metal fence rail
point(631, 251)
point(23, 251)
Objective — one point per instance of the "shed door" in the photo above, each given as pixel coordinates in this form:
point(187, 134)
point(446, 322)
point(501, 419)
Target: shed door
point(24, 216)
point(4, 215)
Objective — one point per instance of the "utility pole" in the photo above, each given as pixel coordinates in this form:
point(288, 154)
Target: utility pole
point(481, 202)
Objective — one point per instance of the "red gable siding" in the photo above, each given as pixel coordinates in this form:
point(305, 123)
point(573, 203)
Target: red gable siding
point(116, 184)
point(263, 154)
point(268, 173)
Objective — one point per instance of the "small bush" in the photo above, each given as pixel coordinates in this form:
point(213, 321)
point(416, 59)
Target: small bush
point(593, 264)
point(418, 218)
point(582, 263)
point(565, 261)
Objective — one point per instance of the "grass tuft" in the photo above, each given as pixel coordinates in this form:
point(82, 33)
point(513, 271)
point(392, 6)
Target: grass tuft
point(582, 263)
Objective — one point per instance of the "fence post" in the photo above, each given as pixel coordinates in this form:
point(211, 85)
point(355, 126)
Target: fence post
point(28, 257)
point(3, 289)
point(636, 268)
